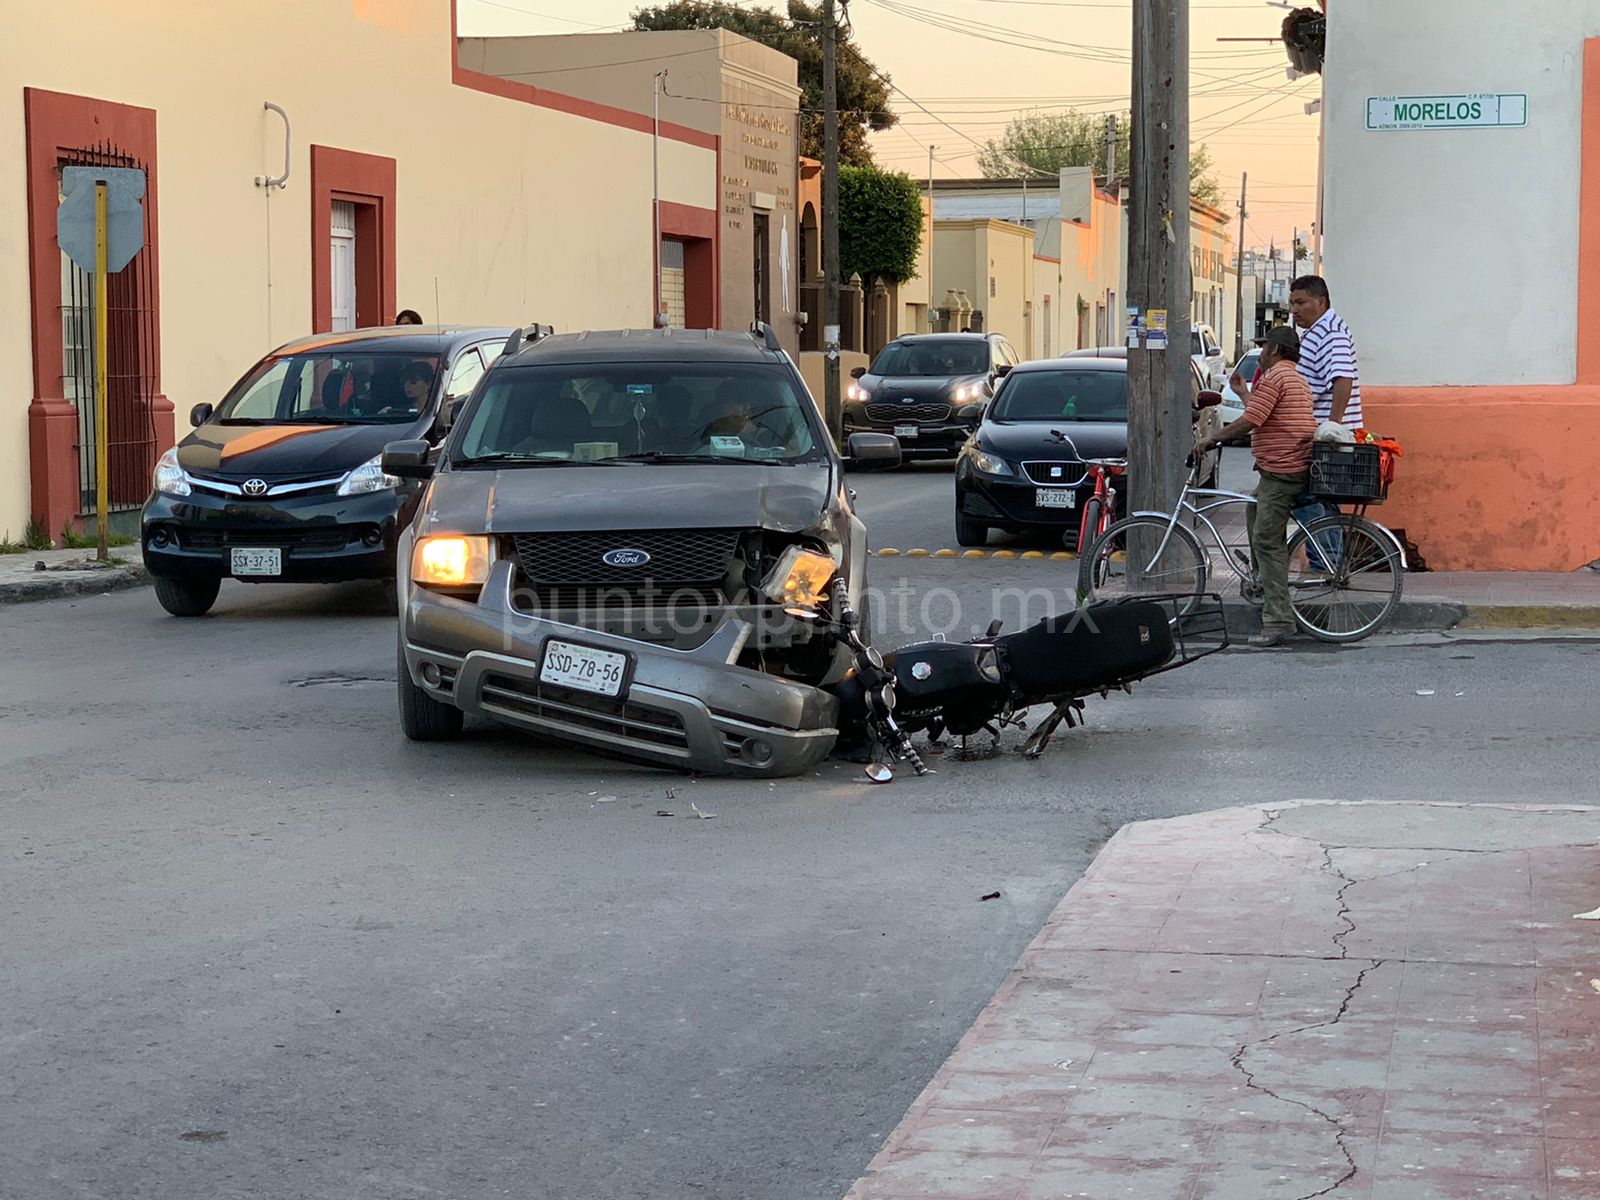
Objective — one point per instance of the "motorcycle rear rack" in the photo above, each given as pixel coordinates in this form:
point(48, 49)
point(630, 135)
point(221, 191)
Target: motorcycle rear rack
point(1197, 634)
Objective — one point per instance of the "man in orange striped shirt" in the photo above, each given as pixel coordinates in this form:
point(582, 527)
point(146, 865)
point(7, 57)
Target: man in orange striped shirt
point(1278, 416)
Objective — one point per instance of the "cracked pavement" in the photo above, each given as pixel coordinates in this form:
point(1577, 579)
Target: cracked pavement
point(1284, 1002)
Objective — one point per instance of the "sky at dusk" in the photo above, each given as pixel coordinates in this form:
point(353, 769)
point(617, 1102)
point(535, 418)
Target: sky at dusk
point(957, 87)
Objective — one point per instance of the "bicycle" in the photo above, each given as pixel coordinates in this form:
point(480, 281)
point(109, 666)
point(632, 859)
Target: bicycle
point(1346, 572)
point(1100, 509)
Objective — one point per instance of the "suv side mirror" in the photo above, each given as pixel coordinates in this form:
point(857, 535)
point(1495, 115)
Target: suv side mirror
point(449, 414)
point(200, 414)
point(872, 452)
point(857, 372)
point(407, 460)
point(1208, 399)
point(1002, 370)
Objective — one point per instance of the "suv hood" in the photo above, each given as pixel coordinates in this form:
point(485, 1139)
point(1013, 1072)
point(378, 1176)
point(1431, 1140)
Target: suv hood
point(787, 499)
point(916, 387)
point(281, 451)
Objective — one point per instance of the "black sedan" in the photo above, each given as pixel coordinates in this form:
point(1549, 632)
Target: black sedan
point(1022, 470)
point(929, 390)
point(281, 481)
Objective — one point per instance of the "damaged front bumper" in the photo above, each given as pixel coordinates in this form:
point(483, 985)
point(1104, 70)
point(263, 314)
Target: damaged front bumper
point(693, 710)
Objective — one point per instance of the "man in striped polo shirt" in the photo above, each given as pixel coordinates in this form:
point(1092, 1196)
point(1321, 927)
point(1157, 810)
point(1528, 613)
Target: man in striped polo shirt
point(1277, 415)
point(1328, 365)
point(1327, 353)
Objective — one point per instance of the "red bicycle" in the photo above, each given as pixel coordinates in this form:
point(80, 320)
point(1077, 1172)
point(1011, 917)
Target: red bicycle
point(1100, 509)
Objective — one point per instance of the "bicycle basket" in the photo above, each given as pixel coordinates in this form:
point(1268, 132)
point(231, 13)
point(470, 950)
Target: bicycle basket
point(1346, 472)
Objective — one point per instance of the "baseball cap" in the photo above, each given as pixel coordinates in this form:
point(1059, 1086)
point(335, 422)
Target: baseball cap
point(1281, 335)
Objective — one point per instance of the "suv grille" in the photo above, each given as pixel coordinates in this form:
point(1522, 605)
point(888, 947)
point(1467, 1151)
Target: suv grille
point(889, 414)
point(687, 557)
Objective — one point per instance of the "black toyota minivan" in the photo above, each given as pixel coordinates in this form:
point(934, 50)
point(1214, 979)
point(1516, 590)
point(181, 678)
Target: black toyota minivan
point(281, 481)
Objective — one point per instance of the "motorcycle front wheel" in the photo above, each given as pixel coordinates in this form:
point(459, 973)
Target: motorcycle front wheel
point(1173, 563)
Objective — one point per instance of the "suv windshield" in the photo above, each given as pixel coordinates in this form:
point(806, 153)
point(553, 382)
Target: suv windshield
point(329, 387)
point(1063, 396)
point(933, 356)
point(643, 412)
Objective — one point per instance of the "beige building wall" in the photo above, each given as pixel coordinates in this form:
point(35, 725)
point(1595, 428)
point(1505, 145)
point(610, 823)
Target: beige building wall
point(992, 261)
point(512, 211)
point(716, 82)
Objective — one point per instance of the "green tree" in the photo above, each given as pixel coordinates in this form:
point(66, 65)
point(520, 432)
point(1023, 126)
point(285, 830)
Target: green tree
point(880, 224)
point(1048, 141)
point(863, 89)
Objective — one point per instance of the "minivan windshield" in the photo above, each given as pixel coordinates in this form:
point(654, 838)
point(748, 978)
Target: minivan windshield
point(333, 387)
point(645, 412)
point(933, 356)
point(1063, 396)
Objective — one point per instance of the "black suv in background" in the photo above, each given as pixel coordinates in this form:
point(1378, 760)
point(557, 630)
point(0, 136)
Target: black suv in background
point(280, 481)
point(929, 390)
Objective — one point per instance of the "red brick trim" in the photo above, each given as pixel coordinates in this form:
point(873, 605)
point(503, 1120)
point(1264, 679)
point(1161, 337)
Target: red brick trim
point(368, 182)
point(56, 124)
point(698, 229)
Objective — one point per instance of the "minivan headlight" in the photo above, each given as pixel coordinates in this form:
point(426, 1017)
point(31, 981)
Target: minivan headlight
point(170, 479)
point(368, 477)
point(451, 560)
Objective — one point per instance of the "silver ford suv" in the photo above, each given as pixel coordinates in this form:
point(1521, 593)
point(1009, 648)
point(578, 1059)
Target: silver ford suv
point(629, 542)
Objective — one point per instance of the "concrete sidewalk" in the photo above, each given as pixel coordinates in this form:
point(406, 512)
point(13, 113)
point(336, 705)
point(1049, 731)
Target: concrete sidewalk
point(1387, 1002)
point(67, 573)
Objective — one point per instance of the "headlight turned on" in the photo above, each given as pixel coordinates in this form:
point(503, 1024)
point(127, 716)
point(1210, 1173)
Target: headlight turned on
point(800, 580)
point(451, 562)
point(856, 392)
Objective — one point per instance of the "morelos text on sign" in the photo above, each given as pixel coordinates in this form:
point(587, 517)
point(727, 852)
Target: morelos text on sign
point(1480, 110)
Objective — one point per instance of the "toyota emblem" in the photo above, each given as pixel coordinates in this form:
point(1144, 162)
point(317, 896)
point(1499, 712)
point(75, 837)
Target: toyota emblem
point(255, 487)
point(625, 558)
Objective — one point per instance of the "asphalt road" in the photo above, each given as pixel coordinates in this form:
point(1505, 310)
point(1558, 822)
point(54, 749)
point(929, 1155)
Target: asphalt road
point(915, 506)
point(255, 945)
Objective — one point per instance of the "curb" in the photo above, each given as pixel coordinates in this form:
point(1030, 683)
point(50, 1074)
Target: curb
point(1531, 616)
point(58, 585)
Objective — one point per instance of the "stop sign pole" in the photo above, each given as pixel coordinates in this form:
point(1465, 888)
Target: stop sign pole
point(102, 431)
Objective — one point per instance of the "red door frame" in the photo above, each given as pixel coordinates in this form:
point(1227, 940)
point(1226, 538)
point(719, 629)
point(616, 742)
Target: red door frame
point(56, 124)
point(368, 182)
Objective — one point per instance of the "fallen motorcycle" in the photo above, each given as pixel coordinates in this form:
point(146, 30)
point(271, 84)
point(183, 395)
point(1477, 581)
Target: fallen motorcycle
point(990, 683)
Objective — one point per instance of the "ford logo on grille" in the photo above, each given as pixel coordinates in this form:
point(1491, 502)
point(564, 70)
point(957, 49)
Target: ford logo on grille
point(624, 558)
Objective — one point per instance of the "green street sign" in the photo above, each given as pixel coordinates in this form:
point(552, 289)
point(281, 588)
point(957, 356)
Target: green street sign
point(1475, 110)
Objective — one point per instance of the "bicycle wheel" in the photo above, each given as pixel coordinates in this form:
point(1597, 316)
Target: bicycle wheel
point(1176, 568)
point(1361, 591)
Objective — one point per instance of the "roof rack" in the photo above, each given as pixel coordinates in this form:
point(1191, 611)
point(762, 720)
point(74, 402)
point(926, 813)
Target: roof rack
point(765, 334)
point(533, 333)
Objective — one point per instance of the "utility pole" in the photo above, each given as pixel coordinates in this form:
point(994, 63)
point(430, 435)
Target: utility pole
point(933, 299)
point(1238, 325)
point(831, 406)
point(1111, 153)
point(1160, 432)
